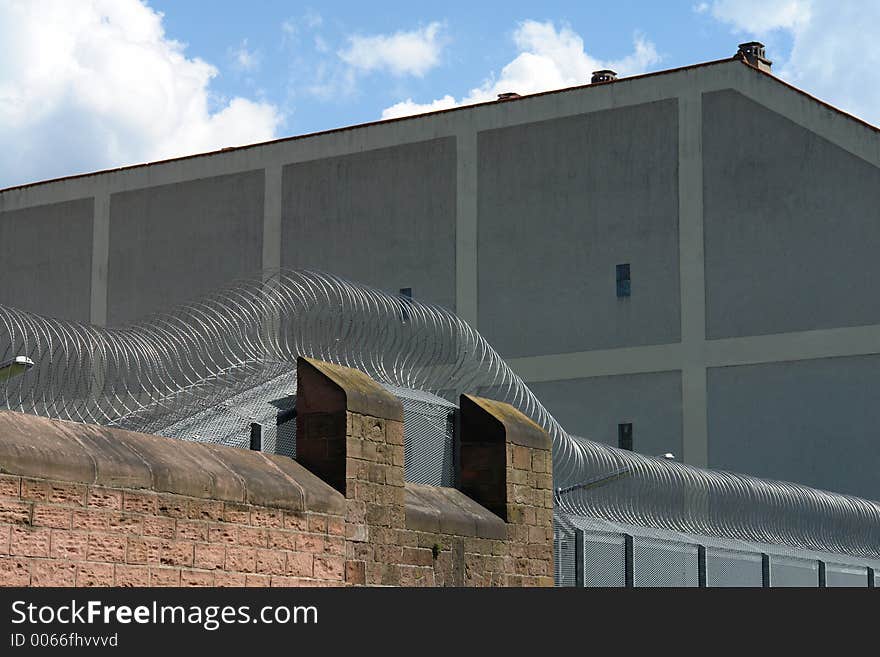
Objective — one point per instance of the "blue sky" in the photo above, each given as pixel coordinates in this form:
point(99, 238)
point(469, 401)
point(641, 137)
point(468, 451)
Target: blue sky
point(477, 42)
point(92, 84)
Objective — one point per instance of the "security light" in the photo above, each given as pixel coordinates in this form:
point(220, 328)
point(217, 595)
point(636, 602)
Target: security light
point(14, 367)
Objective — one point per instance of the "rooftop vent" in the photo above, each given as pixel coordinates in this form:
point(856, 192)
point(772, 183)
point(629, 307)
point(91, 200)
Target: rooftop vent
point(510, 95)
point(605, 75)
point(753, 53)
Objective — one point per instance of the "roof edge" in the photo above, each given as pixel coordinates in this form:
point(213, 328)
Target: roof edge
point(411, 117)
point(357, 126)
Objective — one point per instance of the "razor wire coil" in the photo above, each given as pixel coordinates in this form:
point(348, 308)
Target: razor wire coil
point(171, 365)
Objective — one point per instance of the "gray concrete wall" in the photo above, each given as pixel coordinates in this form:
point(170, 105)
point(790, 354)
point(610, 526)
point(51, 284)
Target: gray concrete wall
point(792, 224)
point(515, 214)
point(814, 422)
point(594, 407)
point(385, 217)
point(561, 203)
point(46, 256)
point(171, 243)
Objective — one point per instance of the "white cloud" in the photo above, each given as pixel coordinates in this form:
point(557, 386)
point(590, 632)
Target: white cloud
point(291, 27)
point(408, 107)
point(549, 58)
point(321, 44)
point(760, 16)
point(834, 55)
point(403, 53)
point(97, 84)
point(244, 59)
point(313, 19)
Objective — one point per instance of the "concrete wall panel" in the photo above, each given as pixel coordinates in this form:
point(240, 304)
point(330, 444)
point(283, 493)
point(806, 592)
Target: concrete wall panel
point(813, 422)
point(384, 217)
point(46, 256)
point(792, 224)
point(561, 203)
point(171, 243)
point(594, 407)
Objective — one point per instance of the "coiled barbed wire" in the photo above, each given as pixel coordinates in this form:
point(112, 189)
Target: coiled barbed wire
point(174, 364)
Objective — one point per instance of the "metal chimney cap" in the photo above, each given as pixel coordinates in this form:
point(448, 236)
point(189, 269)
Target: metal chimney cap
point(756, 46)
point(753, 53)
point(605, 75)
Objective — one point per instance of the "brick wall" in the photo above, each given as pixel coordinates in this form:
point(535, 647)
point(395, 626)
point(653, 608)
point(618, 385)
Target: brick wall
point(56, 533)
point(82, 505)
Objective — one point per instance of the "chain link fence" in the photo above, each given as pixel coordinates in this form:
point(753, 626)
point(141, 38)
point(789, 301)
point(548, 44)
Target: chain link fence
point(592, 552)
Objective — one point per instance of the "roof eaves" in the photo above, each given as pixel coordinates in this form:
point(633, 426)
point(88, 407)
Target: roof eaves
point(414, 117)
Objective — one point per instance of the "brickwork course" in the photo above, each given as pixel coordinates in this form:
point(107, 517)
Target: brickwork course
point(82, 505)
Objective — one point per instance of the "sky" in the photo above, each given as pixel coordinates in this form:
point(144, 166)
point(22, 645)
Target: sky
point(93, 84)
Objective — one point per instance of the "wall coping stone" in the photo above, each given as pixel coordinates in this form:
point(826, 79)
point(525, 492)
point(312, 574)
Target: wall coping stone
point(499, 422)
point(360, 393)
point(44, 448)
point(449, 511)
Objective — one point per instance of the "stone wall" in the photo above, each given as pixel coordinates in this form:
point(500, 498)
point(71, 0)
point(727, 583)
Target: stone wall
point(82, 505)
point(56, 533)
point(351, 429)
point(91, 506)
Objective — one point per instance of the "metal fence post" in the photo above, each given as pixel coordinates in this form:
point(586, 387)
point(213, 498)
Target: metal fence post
point(256, 437)
point(765, 571)
point(701, 566)
point(628, 561)
point(579, 577)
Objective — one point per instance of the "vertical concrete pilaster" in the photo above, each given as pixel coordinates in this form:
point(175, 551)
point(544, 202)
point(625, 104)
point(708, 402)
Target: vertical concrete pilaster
point(100, 256)
point(466, 291)
point(695, 444)
point(272, 219)
point(272, 177)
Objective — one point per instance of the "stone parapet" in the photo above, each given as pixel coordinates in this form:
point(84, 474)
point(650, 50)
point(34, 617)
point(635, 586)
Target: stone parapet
point(82, 505)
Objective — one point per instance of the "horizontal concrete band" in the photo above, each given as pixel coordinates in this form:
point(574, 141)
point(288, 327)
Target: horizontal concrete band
point(38, 447)
point(724, 352)
point(449, 511)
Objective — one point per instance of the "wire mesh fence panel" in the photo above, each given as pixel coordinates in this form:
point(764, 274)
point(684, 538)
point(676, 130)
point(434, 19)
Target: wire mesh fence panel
point(664, 563)
point(845, 575)
point(733, 568)
point(228, 422)
point(793, 571)
point(601, 559)
point(285, 436)
point(564, 568)
point(661, 557)
point(427, 436)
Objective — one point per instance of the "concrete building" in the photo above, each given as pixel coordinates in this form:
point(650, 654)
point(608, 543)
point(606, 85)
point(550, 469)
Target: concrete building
point(676, 258)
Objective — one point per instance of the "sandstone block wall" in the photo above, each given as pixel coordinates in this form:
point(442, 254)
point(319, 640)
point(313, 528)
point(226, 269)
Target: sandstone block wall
point(408, 534)
point(55, 533)
point(82, 505)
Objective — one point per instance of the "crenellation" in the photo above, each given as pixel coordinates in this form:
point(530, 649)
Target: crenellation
point(372, 532)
